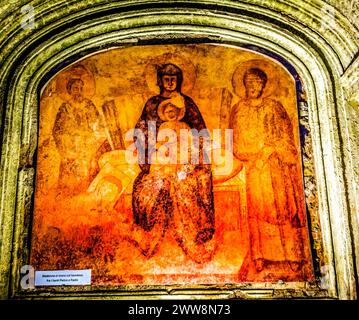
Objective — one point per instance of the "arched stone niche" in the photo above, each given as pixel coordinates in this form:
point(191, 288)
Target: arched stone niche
point(35, 56)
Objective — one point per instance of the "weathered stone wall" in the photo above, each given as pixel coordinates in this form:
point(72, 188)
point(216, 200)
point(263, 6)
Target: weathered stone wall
point(323, 50)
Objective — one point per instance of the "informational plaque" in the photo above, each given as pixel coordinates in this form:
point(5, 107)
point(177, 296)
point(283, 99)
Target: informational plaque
point(63, 278)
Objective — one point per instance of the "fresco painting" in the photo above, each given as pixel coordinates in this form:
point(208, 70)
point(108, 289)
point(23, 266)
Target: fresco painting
point(175, 215)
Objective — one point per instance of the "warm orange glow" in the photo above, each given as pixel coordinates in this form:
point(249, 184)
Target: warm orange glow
point(192, 223)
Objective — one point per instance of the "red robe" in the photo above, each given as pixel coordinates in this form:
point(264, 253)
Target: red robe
point(185, 206)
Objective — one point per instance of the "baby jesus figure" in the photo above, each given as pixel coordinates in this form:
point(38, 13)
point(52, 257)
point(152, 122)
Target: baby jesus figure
point(173, 137)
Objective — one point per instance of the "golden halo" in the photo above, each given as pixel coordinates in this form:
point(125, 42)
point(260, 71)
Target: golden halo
point(267, 67)
point(187, 67)
point(78, 71)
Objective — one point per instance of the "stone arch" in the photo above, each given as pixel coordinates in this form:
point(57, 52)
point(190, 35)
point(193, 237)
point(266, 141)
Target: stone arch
point(77, 29)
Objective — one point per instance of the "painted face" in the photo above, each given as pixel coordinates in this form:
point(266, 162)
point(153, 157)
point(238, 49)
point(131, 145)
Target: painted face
point(77, 91)
point(254, 86)
point(169, 82)
point(171, 112)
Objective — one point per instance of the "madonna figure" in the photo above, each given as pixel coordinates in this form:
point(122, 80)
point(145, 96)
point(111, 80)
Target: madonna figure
point(181, 203)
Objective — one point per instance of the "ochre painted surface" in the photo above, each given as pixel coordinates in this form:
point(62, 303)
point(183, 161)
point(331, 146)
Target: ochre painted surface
point(182, 223)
